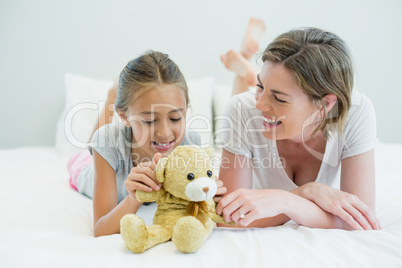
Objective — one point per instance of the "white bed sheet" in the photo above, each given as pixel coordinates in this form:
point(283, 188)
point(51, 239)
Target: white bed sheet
point(44, 223)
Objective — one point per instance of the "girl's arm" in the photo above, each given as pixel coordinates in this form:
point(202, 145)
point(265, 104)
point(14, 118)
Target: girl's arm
point(268, 207)
point(107, 213)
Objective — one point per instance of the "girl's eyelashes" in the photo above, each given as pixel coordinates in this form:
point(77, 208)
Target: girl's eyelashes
point(175, 119)
point(260, 86)
point(153, 121)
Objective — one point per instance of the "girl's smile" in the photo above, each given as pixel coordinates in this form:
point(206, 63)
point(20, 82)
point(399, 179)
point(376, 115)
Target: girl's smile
point(162, 146)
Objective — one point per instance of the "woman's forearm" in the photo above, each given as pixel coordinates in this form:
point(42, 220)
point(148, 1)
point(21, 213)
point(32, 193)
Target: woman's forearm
point(262, 223)
point(110, 223)
point(307, 213)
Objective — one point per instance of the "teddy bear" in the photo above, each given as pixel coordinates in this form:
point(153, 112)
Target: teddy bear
point(185, 207)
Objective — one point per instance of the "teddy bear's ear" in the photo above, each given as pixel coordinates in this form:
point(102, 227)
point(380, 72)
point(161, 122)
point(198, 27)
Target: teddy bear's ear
point(210, 151)
point(160, 169)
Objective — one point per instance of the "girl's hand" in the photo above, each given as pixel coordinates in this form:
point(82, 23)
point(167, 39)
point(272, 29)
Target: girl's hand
point(244, 206)
point(143, 177)
point(346, 206)
point(221, 190)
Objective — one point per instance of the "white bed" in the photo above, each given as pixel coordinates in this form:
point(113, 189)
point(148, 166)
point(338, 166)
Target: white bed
point(44, 223)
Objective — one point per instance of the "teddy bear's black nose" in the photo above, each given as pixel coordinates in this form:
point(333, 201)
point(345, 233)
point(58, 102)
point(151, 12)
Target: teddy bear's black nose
point(205, 189)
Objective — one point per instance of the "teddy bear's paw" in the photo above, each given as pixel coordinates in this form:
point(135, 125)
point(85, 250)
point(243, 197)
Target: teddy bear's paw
point(189, 234)
point(134, 233)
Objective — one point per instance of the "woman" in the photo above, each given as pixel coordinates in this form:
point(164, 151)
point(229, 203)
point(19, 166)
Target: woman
point(303, 134)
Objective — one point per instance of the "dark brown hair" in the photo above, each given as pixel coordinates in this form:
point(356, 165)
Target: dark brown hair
point(149, 70)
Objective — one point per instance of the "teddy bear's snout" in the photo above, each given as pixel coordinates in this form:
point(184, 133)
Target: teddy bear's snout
point(201, 189)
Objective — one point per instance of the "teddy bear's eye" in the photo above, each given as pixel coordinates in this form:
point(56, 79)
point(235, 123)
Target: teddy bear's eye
point(190, 176)
point(209, 173)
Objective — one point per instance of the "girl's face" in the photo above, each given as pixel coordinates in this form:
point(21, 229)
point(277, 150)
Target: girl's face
point(157, 118)
point(285, 107)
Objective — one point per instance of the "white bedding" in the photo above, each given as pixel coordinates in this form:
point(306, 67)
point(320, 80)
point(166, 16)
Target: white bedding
point(44, 223)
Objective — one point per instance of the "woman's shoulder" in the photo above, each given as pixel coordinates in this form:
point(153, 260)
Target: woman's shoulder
point(360, 129)
point(361, 108)
point(361, 100)
point(242, 105)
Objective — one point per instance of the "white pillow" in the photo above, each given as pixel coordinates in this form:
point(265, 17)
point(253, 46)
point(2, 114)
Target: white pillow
point(85, 98)
point(199, 117)
point(221, 98)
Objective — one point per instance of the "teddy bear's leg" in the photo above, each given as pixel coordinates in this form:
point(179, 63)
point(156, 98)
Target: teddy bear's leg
point(134, 233)
point(189, 233)
point(138, 237)
point(158, 234)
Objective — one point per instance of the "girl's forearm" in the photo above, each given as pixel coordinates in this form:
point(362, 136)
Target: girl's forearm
point(110, 223)
point(307, 213)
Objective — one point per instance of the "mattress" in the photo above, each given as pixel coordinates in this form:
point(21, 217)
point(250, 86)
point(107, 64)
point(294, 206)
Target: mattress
point(44, 223)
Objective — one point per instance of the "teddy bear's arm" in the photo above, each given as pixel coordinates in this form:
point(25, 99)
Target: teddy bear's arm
point(215, 217)
point(143, 196)
point(219, 219)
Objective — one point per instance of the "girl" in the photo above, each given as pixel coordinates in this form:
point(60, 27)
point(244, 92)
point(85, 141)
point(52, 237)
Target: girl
point(151, 100)
point(302, 134)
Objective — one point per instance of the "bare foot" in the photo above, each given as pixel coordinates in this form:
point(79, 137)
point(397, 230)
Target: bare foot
point(255, 30)
point(106, 115)
point(236, 63)
point(111, 98)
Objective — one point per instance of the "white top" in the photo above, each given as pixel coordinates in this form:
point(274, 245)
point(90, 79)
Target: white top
point(241, 135)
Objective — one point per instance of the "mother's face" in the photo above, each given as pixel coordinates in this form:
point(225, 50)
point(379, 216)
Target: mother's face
point(285, 107)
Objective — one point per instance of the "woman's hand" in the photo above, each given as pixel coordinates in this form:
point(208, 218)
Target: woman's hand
point(143, 177)
point(244, 206)
point(221, 190)
point(346, 206)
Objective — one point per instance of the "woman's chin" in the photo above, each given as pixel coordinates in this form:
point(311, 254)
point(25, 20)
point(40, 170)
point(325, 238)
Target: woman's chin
point(270, 135)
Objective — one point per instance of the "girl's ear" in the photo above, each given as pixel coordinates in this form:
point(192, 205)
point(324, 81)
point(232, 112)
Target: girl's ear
point(123, 118)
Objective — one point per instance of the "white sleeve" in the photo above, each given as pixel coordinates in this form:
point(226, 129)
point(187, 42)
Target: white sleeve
point(233, 135)
point(360, 129)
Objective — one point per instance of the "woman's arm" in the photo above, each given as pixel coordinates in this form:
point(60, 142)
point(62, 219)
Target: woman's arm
point(107, 213)
point(236, 173)
point(358, 178)
point(355, 202)
point(267, 207)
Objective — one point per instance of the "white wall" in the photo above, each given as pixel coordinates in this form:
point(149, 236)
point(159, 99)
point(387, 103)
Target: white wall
point(41, 40)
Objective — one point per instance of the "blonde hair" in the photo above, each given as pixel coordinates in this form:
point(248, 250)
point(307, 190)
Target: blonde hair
point(149, 70)
point(321, 63)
